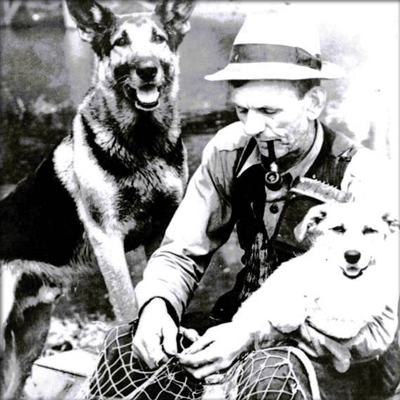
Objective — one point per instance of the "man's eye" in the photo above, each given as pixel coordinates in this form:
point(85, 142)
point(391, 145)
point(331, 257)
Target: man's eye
point(241, 110)
point(159, 39)
point(339, 229)
point(367, 230)
point(121, 42)
point(269, 111)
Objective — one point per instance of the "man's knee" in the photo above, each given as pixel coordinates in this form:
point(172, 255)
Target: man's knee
point(272, 373)
point(116, 373)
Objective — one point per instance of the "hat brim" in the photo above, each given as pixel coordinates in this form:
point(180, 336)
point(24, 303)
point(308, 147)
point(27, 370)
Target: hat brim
point(275, 71)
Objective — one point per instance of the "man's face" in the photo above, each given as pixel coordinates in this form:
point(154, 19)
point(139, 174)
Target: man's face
point(272, 110)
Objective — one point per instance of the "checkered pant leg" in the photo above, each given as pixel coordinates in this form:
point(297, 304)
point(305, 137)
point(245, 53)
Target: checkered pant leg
point(270, 374)
point(266, 374)
point(119, 375)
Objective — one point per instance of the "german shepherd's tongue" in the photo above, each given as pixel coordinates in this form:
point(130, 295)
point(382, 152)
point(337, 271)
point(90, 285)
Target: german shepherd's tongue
point(147, 97)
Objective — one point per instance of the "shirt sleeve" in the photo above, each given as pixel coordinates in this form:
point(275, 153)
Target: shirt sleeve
point(202, 223)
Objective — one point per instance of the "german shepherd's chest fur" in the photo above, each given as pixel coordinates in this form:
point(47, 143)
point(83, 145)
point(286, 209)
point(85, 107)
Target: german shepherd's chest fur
point(129, 181)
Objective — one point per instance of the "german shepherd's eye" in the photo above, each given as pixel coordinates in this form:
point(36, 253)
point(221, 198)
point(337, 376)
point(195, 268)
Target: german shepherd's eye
point(159, 39)
point(122, 41)
point(368, 230)
point(339, 229)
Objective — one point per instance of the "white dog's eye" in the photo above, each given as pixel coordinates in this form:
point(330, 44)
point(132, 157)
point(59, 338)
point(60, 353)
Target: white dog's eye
point(367, 230)
point(159, 39)
point(339, 229)
point(120, 42)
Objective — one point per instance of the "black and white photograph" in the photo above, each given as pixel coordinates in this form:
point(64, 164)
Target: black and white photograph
point(199, 200)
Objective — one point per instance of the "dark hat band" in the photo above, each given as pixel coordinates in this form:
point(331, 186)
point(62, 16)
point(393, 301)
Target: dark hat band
point(255, 53)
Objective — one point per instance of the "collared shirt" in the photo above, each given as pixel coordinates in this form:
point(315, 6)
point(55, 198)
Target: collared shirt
point(205, 218)
point(276, 199)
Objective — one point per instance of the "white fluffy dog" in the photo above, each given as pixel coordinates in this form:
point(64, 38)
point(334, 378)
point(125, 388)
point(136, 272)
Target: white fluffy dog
point(344, 286)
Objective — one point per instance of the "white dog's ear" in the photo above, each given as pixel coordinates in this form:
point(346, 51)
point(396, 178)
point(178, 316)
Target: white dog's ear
point(392, 222)
point(310, 222)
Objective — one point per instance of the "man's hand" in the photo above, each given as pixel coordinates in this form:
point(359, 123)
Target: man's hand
point(155, 340)
point(216, 350)
point(317, 344)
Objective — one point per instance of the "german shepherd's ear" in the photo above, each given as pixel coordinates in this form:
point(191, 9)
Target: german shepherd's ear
point(174, 15)
point(91, 18)
point(310, 222)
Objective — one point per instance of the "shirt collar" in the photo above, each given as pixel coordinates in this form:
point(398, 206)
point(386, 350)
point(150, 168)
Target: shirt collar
point(297, 170)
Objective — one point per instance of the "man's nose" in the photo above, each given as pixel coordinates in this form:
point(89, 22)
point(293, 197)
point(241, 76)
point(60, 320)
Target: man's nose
point(254, 123)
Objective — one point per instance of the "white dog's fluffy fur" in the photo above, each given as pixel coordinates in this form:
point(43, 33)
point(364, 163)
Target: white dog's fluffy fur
point(345, 283)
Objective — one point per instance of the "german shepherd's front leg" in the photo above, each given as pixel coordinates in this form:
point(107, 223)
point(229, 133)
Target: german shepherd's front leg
point(110, 254)
point(108, 247)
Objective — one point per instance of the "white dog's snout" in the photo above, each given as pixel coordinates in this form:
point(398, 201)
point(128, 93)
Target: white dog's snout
point(352, 256)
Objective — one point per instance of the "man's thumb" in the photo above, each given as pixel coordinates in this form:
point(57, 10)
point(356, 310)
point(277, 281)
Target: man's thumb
point(170, 341)
point(341, 355)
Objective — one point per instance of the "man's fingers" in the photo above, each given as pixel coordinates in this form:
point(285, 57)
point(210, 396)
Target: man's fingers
point(190, 334)
point(200, 358)
point(149, 351)
point(341, 366)
point(198, 345)
point(341, 354)
point(157, 358)
point(170, 342)
point(218, 367)
point(203, 372)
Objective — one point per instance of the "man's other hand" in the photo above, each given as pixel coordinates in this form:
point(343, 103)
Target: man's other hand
point(216, 350)
point(316, 344)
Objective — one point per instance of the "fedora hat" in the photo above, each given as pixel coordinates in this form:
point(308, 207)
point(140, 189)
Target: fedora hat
point(276, 45)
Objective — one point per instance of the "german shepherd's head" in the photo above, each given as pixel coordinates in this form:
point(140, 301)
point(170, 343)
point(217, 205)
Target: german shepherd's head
point(137, 53)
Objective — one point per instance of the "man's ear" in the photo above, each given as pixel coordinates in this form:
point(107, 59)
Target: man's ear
point(310, 222)
point(316, 97)
point(174, 15)
point(90, 17)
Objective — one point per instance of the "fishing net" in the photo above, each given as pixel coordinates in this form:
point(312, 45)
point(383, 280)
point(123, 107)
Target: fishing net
point(266, 374)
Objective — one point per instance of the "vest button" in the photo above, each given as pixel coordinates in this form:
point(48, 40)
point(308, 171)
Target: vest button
point(274, 208)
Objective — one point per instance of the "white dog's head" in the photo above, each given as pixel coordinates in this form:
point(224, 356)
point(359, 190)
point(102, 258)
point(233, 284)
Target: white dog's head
point(350, 234)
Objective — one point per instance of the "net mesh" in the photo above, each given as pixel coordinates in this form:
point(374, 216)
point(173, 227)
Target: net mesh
point(266, 374)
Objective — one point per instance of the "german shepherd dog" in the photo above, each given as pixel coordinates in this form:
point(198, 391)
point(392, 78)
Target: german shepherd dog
point(111, 185)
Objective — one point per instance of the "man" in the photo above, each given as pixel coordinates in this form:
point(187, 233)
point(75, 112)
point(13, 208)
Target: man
point(244, 178)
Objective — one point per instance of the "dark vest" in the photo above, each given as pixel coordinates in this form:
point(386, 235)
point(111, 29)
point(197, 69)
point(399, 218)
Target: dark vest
point(263, 255)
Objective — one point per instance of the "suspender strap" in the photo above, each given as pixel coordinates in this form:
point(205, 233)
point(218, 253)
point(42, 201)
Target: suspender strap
point(246, 154)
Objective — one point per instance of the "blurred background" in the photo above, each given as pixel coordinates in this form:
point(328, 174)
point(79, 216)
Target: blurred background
point(46, 70)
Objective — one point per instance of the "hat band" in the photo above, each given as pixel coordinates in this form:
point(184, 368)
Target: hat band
point(258, 52)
